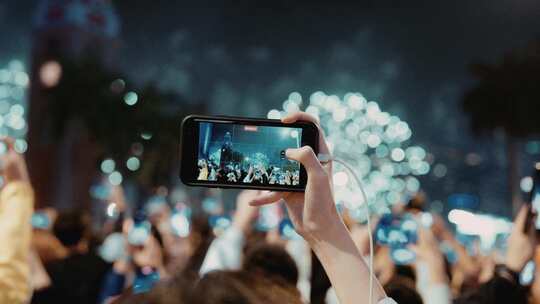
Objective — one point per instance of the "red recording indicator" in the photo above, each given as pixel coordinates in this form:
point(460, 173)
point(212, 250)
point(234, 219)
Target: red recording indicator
point(250, 128)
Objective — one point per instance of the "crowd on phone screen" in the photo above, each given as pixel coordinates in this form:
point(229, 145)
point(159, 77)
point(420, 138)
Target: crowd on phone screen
point(68, 262)
point(252, 173)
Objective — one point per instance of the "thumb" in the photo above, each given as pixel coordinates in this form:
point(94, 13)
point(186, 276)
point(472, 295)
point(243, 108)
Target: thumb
point(307, 158)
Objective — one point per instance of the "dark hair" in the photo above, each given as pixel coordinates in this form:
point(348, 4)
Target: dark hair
point(271, 261)
point(320, 283)
point(170, 291)
point(495, 291)
point(241, 287)
point(417, 202)
point(70, 227)
point(406, 271)
point(403, 291)
point(201, 237)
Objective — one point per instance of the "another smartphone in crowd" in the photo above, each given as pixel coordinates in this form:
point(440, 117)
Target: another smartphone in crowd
point(40, 220)
point(229, 152)
point(534, 200)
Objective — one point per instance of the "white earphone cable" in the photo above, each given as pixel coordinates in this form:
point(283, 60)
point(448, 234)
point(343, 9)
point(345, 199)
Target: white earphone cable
point(326, 158)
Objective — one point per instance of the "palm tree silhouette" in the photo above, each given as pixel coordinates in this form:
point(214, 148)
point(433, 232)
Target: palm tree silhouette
point(507, 98)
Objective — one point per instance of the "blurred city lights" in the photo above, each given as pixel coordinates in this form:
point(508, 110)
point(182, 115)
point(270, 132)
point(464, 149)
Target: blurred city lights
point(20, 146)
point(398, 154)
point(115, 178)
point(440, 170)
point(14, 82)
point(180, 224)
point(133, 163)
point(50, 73)
point(131, 98)
point(3, 148)
point(526, 184)
point(118, 85)
point(108, 166)
point(274, 114)
point(111, 210)
point(146, 135)
point(341, 178)
point(487, 227)
point(372, 141)
point(296, 98)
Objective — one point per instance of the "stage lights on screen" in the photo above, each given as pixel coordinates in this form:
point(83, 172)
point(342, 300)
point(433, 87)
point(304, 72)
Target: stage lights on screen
point(376, 143)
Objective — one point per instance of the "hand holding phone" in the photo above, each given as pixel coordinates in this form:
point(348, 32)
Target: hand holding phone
point(13, 165)
point(534, 201)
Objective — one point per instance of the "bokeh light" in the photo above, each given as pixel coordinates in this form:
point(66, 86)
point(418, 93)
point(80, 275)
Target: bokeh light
point(374, 142)
point(133, 163)
point(115, 178)
point(107, 166)
point(50, 73)
point(14, 82)
point(131, 98)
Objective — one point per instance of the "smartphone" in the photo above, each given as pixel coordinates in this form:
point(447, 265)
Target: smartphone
point(534, 200)
point(141, 230)
point(398, 232)
point(40, 220)
point(247, 153)
point(145, 279)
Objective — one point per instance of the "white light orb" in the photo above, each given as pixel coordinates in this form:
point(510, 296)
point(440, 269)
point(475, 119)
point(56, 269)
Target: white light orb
point(526, 184)
point(108, 166)
point(274, 114)
point(115, 178)
point(133, 163)
point(341, 178)
point(339, 114)
point(397, 154)
point(356, 101)
point(131, 98)
point(50, 73)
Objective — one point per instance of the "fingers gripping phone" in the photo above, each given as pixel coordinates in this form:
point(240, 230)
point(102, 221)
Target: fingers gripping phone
point(229, 152)
point(534, 200)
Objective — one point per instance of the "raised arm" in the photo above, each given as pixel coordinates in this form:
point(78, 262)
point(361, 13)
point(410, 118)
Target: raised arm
point(315, 217)
point(16, 207)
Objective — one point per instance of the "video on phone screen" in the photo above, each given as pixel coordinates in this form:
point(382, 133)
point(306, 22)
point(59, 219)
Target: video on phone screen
point(247, 154)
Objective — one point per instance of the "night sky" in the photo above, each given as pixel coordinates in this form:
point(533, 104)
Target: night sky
point(245, 57)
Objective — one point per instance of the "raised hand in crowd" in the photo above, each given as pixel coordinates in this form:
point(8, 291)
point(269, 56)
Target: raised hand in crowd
point(315, 217)
point(16, 207)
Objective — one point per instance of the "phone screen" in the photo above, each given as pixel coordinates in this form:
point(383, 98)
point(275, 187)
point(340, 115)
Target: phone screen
point(40, 220)
point(535, 201)
point(247, 154)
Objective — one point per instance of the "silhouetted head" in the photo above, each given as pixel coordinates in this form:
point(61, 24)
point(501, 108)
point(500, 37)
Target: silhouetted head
point(403, 290)
point(271, 261)
point(241, 287)
point(71, 228)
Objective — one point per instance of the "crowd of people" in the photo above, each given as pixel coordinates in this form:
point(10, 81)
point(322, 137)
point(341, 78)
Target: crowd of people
point(66, 262)
point(253, 173)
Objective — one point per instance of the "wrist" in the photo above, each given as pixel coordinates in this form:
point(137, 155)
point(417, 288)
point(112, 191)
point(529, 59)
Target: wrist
point(514, 265)
point(319, 236)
